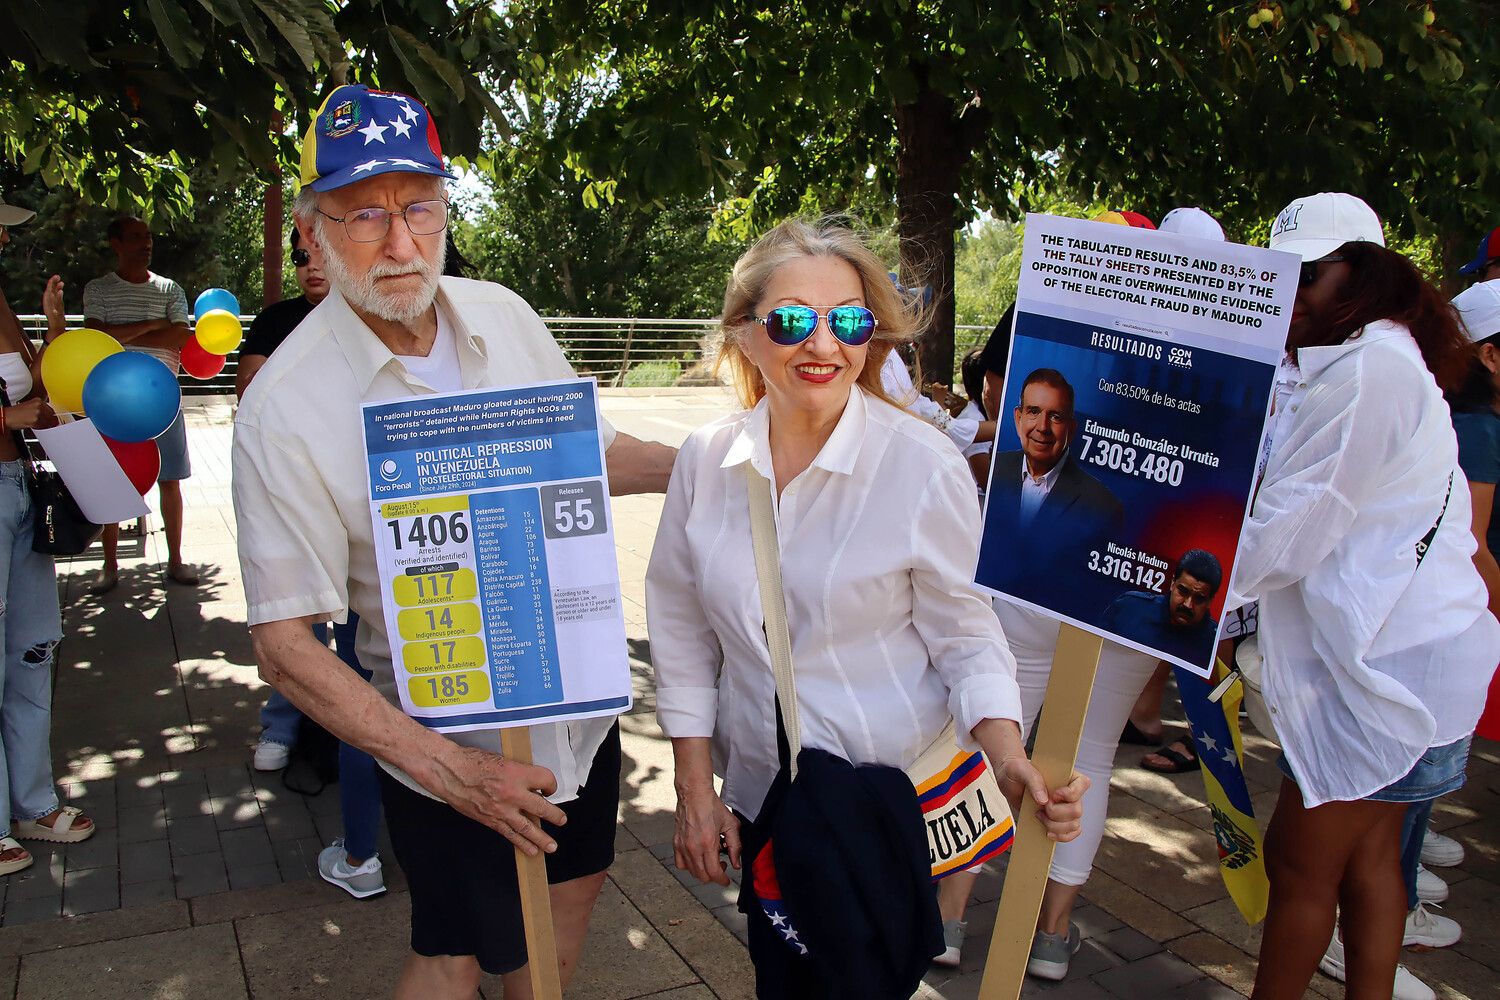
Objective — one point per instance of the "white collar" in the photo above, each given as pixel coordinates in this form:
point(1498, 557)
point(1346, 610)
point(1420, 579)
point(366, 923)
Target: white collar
point(1313, 361)
point(838, 454)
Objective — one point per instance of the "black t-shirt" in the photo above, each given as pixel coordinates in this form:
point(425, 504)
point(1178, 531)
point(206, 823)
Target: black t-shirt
point(273, 325)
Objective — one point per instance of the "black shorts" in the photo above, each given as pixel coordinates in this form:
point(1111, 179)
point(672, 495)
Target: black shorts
point(462, 874)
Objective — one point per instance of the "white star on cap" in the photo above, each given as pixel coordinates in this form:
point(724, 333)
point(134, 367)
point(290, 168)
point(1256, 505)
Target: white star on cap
point(411, 114)
point(408, 163)
point(403, 128)
point(367, 165)
point(373, 132)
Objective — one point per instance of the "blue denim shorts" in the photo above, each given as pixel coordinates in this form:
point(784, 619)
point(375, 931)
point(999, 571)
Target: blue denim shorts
point(174, 452)
point(1436, 773)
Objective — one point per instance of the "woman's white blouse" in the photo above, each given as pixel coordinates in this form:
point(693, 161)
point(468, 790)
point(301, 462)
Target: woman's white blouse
point(1370, 658)
point(890, 638)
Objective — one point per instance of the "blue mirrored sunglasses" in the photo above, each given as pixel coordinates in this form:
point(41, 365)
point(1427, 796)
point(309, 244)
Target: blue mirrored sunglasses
point(791, 325)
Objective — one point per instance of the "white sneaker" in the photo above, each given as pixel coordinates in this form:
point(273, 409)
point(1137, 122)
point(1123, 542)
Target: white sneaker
point(1408, 986)
point(271, 756)
point(1430, 888)
point(953, 944)
point(1428, 930)
point(1441, 851)
point(360, 882)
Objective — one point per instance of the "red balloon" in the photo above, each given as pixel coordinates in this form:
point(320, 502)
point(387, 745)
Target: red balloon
point(199, 363)
point(141, 461)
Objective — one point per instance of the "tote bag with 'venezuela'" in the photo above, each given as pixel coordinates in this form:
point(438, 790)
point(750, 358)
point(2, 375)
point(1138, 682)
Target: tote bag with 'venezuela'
point(966, 818)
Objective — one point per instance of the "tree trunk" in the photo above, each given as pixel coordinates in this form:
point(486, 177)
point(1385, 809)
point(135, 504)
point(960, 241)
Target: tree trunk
point(275, 216)
point(931, 151)
point(271, 252)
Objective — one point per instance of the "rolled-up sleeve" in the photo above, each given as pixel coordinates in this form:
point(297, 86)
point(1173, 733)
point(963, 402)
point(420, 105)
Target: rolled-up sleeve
point(684, 649)
point(964, 640)
point(294, 551)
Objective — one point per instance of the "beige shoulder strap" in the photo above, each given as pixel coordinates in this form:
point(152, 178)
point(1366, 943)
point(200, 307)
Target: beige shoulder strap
point(773, 604)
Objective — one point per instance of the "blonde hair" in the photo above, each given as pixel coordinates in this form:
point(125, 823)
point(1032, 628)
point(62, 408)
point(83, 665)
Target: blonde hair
point(899, 318)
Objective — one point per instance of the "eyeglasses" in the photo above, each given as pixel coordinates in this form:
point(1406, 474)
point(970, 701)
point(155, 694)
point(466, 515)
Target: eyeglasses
point(301, 258)
point(791, 325)
point(369, 225)
point(1309, 272)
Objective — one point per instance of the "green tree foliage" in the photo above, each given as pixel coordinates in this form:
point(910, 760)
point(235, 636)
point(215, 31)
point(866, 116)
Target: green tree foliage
point(219, 245)
point(949, 107)
point(570, 249)
point(121, 101)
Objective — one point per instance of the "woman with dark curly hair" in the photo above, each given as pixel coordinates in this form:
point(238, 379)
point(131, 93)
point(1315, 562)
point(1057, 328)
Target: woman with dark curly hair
point(1377, 639)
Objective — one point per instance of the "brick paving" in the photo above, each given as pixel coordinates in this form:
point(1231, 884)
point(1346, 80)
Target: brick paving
point(202, 881)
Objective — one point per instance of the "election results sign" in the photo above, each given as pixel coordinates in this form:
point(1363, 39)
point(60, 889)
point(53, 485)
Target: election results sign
point(1136, 395)
point(497, 561)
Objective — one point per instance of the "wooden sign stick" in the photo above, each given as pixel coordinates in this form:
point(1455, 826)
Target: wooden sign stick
point(536, 895)
point(1061, 725)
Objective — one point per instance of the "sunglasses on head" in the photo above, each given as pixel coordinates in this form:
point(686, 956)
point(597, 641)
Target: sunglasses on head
point(1309, 272)
point(301, 258)
point(791, 325)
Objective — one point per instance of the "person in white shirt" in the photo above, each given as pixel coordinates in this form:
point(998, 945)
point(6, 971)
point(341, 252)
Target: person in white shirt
point(878, 525)
point(1373, 621)
point(392, 328)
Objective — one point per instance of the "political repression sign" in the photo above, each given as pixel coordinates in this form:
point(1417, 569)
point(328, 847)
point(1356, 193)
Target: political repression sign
point(1139, 380)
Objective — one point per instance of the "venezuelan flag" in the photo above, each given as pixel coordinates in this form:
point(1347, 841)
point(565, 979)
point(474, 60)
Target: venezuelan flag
point(1221, 756)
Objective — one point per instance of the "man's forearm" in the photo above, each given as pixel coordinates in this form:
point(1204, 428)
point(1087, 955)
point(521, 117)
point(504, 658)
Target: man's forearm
point(637, 466)
point(171, 337)
point(127, 333)
point(315, 680)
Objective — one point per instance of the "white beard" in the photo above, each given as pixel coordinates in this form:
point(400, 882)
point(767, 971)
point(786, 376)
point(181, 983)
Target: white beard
point(363, 294)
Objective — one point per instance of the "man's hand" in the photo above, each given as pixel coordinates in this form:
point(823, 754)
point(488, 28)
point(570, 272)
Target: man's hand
point(503, 795)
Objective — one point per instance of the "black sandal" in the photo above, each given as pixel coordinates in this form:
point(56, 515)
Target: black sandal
point(1133, 734)
point(1181, 763)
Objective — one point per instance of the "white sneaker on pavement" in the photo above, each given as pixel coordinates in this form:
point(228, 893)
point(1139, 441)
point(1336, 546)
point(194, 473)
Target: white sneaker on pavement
point(1440, 850)
point(1430, 888)
point(1428, 930)
point(271, 756)
point(1408, 986)
point(361, 881)
point(953, 944)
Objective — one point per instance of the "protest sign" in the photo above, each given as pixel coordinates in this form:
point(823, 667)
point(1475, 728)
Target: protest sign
point(498, 577)
point(496, 557)
point(1139, 380)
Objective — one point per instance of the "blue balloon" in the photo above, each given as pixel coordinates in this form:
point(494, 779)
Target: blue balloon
point(216, 298)
point(132, 398)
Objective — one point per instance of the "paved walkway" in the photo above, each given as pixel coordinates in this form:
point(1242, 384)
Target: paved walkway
point(201, 881)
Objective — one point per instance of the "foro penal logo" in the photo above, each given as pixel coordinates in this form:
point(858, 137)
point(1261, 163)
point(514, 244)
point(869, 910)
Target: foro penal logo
point(1180, 356)
point(390, 471)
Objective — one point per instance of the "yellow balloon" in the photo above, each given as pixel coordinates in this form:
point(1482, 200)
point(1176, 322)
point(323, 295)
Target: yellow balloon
point(218, 331)
point(67, 362)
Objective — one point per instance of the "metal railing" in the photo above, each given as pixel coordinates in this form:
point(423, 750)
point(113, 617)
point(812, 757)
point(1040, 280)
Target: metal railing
point(635, 352)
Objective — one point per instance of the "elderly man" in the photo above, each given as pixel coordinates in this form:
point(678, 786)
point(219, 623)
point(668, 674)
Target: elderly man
point(146, 312)
point(373, 202)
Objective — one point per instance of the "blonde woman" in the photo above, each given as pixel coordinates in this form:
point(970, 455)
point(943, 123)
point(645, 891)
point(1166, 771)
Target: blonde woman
point(878, 527)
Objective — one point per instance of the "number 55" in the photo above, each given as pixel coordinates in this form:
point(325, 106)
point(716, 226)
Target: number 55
point(567, 513)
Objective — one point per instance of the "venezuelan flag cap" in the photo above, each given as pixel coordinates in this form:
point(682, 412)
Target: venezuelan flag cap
point(359, 133)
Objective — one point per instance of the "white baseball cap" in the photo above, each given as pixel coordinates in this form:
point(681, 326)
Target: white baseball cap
point(1316, 226)
point(1192, 222)
point(12, 215)
point(1479, 308)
